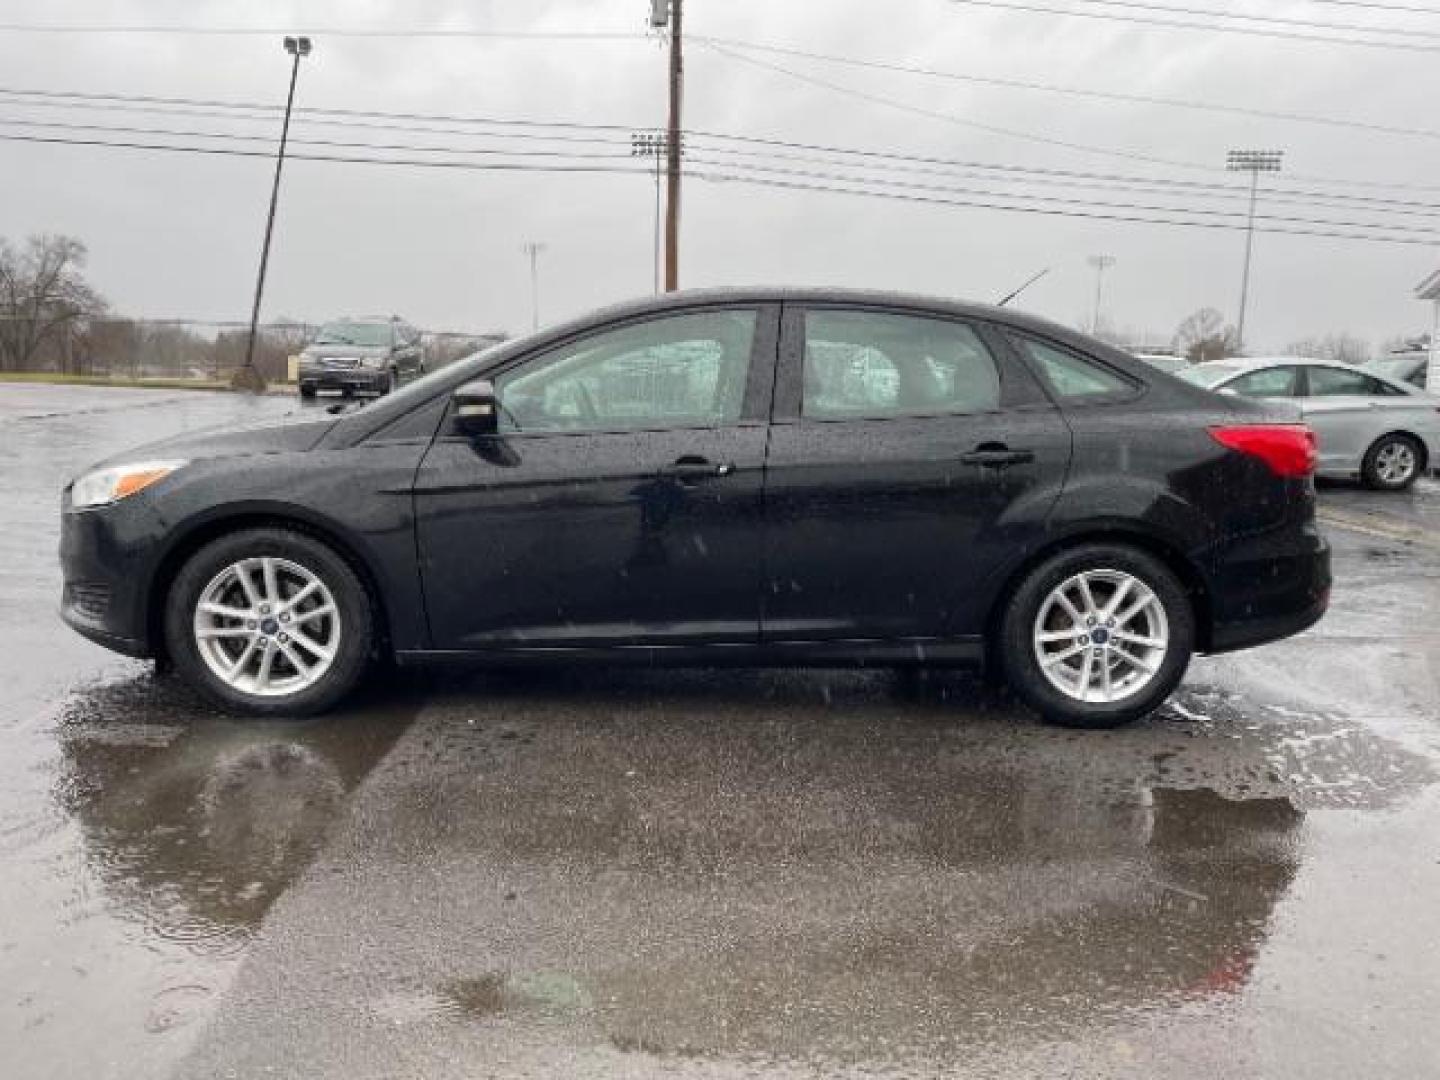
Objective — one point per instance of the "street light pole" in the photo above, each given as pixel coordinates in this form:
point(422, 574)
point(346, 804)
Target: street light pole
point(247, 378)
point(534, 249)
point(1101, 263)
point(1254, 162)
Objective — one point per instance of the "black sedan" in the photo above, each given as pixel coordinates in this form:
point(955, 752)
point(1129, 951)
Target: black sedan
point(776, 477)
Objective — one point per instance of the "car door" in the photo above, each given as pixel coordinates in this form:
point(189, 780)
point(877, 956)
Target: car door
point(1348, 410)
point(619, 502)
point(909, 459)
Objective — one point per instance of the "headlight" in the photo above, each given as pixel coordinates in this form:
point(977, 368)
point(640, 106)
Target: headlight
point(112, 484)
point(373, 361)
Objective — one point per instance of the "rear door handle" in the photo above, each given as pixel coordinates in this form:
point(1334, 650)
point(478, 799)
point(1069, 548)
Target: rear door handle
point(696, 468)
point(998, 457)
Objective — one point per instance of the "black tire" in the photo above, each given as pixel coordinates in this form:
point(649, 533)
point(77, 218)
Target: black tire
point(351, 599)
point(1370, 468)
point(307, 390)
point(1017, 625)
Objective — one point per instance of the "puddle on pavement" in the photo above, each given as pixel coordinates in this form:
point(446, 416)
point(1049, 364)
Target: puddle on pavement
point(194, 823)
point(735, 865)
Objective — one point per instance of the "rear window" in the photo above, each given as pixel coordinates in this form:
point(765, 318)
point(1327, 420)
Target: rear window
point(1347, 382)
point(1071, 376)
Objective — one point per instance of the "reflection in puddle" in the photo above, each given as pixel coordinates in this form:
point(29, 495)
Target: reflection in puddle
point(741, 867)
point(195, 824)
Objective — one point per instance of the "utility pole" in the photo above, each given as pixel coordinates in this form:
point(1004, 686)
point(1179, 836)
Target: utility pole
point(1254, 162)
point(651, 144)
point(247, 378)
point(532, 249)
point(661, 12)
point(1101, 263)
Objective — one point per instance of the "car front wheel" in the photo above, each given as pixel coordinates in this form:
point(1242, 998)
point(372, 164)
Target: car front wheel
point(269, 622)
point(1097, 636)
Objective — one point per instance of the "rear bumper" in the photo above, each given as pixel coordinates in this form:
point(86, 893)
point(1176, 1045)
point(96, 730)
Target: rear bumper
point(1269, 588)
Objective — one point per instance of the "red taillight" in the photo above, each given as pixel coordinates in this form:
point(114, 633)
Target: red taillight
point(1289, 449)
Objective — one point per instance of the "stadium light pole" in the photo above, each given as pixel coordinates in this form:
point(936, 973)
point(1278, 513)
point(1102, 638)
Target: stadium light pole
point(1254, 162)
point(1101, 263)
point(533, 249)
point(247, 378)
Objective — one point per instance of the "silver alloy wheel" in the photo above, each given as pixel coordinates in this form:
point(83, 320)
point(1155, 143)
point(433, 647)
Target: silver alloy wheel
point(267, 626)
point(1395, 462)
point(1101, 636)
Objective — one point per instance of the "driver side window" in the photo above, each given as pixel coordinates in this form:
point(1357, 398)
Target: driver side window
point(679, 371)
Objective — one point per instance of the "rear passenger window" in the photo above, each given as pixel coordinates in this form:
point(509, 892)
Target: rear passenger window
point(1339, 382)
point(1272, 382)
point(875, 364)
point(1071, 376)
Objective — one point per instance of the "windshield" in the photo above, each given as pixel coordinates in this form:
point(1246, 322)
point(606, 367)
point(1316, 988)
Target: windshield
point(354, 333)
point(1207, 375)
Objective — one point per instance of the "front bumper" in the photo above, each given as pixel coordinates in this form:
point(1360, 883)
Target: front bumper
point(1269, 588)
point(343, 378)
point(105, 555)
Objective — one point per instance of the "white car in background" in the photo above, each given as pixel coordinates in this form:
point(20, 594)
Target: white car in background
point(1380, 429)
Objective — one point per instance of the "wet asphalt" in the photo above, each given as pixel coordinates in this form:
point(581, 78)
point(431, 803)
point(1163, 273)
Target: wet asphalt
point(714, 874)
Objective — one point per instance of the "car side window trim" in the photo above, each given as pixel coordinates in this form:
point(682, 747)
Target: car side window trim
point(1017, 388)
point(1136, 388)
point(759, 380)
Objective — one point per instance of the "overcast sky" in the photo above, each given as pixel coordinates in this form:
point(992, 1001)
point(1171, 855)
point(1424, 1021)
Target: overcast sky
point(179, 234)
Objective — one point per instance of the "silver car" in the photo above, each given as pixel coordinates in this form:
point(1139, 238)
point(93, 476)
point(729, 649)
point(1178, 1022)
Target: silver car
point(1380, 429)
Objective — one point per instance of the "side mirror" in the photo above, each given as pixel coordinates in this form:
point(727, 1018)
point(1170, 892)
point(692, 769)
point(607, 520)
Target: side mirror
point(477, 409)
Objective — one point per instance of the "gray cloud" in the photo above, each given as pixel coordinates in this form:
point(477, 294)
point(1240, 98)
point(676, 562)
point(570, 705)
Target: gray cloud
point(179, 235)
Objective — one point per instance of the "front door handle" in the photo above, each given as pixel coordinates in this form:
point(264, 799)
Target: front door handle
point(696, 468)
point(997, 456)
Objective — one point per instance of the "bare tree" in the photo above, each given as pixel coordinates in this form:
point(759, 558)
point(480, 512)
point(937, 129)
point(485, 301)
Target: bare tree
point(1339, 347)
point(43, 298)
point(1204, 336)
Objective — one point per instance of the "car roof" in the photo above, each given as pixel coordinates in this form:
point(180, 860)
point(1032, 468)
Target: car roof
point(775, 294)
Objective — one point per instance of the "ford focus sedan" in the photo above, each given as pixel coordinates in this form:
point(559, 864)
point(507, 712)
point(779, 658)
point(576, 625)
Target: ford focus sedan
point(738, 477)
point(1370, 426)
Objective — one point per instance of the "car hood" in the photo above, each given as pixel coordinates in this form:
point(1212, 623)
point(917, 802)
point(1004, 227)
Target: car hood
point(321, 352)
point(285, 434)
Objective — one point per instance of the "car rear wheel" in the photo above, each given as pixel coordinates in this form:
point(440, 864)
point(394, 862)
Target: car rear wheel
point(1392, 463)
point(1097, 636)
point(269, 622)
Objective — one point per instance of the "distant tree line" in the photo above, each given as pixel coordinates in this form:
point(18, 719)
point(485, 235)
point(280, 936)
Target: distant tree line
point(1206, 336)
point(52, 320)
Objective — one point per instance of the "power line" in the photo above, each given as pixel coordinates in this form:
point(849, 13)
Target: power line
point(1176, 24)
point(326, 31)
point(955, 170)
point(1108, 184)
point(1074, 91)
point(1136, 213)
point(1200, 212)
point(333, 143)
point(932, 200)
point(610, 134)
point(1404, 8)
point(1273, 20)
point(950, 118)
